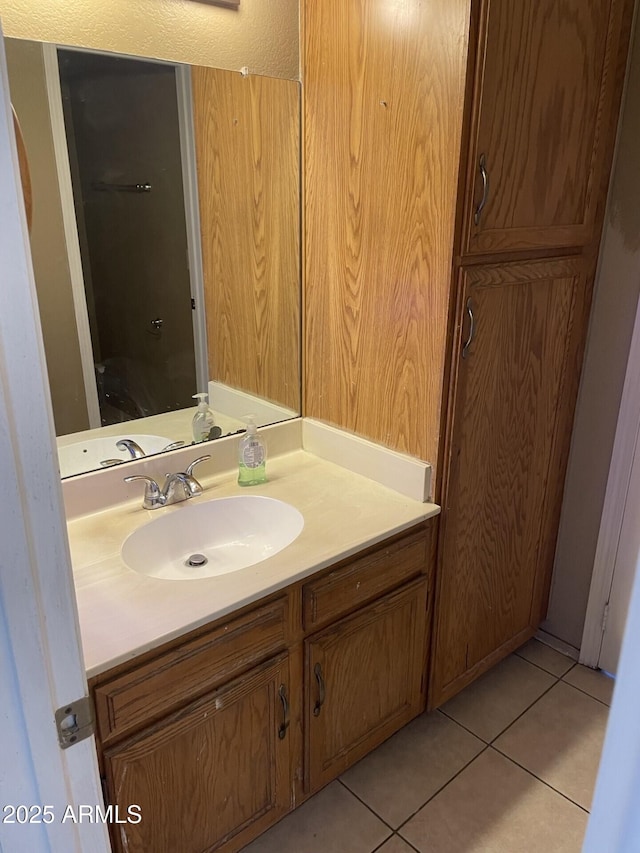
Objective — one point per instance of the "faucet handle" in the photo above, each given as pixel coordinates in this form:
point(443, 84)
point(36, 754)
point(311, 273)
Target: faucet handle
point(189, 471)
point(152, 493)
point(173, 446)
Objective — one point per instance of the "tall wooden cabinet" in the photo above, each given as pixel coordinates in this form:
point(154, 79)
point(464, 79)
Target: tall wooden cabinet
point(459, 340)
point(541, 119)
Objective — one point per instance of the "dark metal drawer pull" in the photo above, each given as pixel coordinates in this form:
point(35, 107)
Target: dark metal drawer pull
point(317, 671)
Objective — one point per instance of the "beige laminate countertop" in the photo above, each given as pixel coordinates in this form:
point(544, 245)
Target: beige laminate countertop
point(123, 613)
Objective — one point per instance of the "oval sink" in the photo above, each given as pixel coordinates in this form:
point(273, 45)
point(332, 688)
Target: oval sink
point(82, 456)
point(212, 538)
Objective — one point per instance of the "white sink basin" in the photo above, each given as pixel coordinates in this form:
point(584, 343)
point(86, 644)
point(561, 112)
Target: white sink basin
point(228, 533)
point(88, 455)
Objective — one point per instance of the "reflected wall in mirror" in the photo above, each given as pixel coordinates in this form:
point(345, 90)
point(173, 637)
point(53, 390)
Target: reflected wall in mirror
point(181, 190)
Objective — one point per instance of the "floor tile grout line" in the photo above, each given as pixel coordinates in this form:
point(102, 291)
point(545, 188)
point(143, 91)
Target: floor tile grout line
point(508, 726)
point(428, 800)
point(440, 789)
point(367, 806)
point(526, 711)
point(595, 698)
point(408, 843)
point(486, 745)
point(395, 835)
point(533, 663)
point(544, 782)
point(462, 725)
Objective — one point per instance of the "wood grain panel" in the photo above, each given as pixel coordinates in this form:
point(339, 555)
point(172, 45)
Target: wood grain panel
point(178, 676)
point(547, 94)
point(25, 174)
point(211, 777)
point(372, 668)
point(383, 102)
point(360, 581)
point(510, 400)
point(247, 147)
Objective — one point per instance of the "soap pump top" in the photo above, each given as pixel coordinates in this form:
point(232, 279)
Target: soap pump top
point(252, 456)
point(203, 421)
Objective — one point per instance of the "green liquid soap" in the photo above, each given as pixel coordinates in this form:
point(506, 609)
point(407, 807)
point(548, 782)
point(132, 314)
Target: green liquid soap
point(252, 476)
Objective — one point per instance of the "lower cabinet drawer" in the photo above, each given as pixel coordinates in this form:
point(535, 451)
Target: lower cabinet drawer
point(175, 677)
point(365, 578)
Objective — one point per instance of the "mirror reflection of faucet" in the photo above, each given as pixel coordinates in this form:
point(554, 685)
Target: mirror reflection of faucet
point(135, 451)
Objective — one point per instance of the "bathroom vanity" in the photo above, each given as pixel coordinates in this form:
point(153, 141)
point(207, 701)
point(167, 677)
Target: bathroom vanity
point(224, 704)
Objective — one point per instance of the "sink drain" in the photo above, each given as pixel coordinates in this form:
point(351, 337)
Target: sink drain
point(196, 561)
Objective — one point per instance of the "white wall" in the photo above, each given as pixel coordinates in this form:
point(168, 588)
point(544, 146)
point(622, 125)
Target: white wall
point(614, 307)
point(261, 34)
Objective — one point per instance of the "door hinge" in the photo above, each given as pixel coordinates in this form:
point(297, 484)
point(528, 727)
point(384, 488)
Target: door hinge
point(605, 616)
point(75, 722)
point(193, 304)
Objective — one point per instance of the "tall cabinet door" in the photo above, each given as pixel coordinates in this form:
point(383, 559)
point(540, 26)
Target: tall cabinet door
point(545, 100)
point(210, 777)
point(512, 413)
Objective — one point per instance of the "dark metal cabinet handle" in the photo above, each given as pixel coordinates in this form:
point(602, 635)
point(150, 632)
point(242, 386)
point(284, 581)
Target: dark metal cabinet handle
point(284, 725)
point(482, 165)
point(472, 326)
point(317, 671)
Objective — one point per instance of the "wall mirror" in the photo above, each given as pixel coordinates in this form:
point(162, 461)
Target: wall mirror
point(165, 242)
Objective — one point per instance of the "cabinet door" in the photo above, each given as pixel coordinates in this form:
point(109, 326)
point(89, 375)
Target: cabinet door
point(216, 772)
point(545, 105)
point(513, 408)
point(364, 680)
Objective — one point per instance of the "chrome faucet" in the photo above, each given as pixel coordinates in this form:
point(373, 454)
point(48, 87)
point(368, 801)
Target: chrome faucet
point(176, 488)
point(134, 449)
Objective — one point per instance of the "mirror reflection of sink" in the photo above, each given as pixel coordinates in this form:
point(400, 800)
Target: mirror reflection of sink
point(212, 538)
point(83, 456)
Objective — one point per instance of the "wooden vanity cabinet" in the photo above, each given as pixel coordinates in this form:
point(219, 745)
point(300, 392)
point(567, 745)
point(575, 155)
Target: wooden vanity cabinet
point(215, 737)
point(367, 625)
point(363, 681)
point(211, 776)
point(546, 90)
point(199, 735)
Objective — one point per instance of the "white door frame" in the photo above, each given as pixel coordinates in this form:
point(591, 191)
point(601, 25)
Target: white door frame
point(41, 660)
point(70, 224)
point(624, 448)
point(192, 221)
point(614, 825)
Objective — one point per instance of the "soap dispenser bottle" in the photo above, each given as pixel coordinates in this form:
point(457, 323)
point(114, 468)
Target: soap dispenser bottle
point(203, 422)
point(252, 456)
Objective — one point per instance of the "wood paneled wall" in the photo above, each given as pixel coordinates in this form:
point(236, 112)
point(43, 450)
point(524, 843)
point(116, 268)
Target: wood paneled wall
point(384, 90)
point(247, 146)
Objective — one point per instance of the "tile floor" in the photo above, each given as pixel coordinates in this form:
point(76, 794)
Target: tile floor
point(507, 766)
